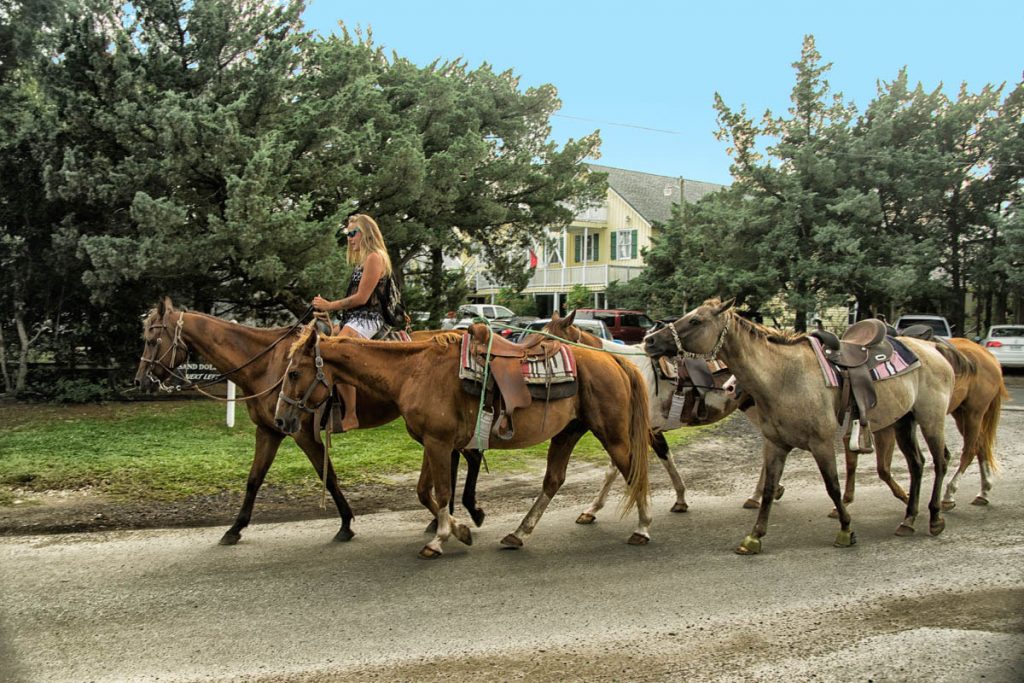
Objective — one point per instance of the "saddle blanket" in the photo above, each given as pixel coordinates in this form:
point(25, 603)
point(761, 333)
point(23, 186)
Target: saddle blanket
point(558, 369)
point(903, 360)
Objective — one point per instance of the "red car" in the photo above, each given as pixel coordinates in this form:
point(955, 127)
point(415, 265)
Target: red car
point(629, 327)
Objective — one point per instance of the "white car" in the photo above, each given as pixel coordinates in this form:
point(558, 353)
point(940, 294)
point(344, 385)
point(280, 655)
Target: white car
point(467, 313)
point(1006, 343)
point(594, 327)
point(940, 326)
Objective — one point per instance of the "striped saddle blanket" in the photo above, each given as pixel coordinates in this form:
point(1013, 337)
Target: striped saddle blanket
point(559, 369)
point(903, 360)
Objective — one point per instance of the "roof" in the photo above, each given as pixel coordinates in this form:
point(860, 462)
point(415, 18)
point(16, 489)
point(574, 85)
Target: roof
point(652, 196)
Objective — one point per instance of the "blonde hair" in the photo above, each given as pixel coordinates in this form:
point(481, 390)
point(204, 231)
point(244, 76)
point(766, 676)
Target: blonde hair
point(372, 242)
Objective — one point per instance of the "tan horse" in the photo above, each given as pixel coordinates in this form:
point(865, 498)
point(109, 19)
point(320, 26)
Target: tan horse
point(797, 409)
point(976, 402)
point(258, 358)
point(422, 379)
point(720, 404)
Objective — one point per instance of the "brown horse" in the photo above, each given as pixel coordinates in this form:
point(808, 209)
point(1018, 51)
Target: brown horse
point(798, 410)
point(720, 404)
point(422, 379)
point(255, 359)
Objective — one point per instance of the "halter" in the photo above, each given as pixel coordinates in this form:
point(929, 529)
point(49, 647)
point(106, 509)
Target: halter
point(320, 378)
point(680, 353)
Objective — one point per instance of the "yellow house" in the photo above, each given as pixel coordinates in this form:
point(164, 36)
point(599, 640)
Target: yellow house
point(604, 243)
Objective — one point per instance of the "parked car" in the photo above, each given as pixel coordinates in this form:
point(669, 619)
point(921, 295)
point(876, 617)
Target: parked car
point(940, 326)
point(1006, 343)
point(630, 327)
point(594, 327)
point(468, 312)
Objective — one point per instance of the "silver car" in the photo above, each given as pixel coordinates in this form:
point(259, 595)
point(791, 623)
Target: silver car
point(594, 327)
point(1006, 343)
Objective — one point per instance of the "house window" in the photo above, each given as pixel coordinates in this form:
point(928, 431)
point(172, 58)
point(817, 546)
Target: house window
point(624, 244)
point(593, 248)
point(553, 249)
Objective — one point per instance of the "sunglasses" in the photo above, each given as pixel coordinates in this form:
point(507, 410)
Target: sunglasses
point(350, 233)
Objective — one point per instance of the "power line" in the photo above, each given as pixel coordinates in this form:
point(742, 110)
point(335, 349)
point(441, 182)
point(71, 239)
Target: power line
point(621, 125)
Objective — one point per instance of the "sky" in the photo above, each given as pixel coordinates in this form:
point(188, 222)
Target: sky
point(645, 72)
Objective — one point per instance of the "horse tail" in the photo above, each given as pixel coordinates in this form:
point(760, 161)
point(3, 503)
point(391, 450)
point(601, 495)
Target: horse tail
point(989, 424)
point(639, 436)
point(962, 365)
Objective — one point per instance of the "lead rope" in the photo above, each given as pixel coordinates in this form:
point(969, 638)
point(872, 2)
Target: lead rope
point(483, 389)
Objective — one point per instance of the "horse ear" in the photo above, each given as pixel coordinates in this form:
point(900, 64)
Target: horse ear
point(555, 317)
point(164, 306)
point(725, 306)
point(571, 318)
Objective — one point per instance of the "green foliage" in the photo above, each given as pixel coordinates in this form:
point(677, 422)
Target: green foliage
point(520, 304)
point(578, 296)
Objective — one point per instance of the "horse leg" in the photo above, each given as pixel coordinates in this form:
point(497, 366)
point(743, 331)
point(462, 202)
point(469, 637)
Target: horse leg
point(267, 443)
point(660, 446)
point(935, 437)
point(438, 461)
point(754, 502)
point(473, 460)
point(558, 459)
point(425, 494)
point(825, 457)
point(774, 460)
point(885, 444)
point(967, 425)
point(589, 515)
point(915, 464)
point(315, 453)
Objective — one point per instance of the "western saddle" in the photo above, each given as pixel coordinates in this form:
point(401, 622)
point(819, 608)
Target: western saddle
point(862, 347)
point(504, 361)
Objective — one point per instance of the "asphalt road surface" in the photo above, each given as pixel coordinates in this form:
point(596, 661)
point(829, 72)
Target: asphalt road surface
point(576, 604)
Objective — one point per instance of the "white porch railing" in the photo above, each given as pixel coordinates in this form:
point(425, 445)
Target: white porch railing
point(559, 279)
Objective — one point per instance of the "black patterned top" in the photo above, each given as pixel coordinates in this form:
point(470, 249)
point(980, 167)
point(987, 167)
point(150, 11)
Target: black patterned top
point(370, 311)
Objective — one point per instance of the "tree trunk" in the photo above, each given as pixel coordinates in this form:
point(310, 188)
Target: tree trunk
point(22, 375)
point(8, 389)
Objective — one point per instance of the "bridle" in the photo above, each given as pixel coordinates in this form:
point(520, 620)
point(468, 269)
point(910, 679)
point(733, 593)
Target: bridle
point(320, 378)
point(712, 355)
point(176, 343)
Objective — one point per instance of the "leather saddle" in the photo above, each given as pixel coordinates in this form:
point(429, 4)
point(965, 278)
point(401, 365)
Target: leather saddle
point(504, 361)
point(861, 348)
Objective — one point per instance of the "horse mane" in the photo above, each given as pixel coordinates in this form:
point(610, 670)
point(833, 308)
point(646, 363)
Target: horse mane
point(961, 363)
point(442, 339)
point(770, 334)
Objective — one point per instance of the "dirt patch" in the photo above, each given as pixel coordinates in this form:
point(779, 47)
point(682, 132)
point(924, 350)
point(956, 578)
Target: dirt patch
point(708, 464)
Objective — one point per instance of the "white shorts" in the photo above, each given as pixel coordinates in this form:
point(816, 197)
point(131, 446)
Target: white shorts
point(366, 327)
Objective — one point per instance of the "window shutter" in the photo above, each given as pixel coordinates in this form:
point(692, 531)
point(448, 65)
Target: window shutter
point(577, 243)
point(614, 254)
point(595, 254)
point(635, 240)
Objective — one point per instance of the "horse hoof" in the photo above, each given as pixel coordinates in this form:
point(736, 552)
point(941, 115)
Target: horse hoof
point(845, 539)
point(512, 541)
point(751, 504)
point(429, 553)
point(586, 518)
point(477, 516)
point(978, 501)
point(937, 527)
point(431, 528)
point(680, 507)
point(638, 539)
point(230, 538)
point(779, 491)
point(462, 532)
point(947, 505)
point(904, 530)
point(834, 514)
point(344, 536)
point(750, 546)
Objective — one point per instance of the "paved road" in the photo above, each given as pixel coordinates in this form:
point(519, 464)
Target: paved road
point(577, 604)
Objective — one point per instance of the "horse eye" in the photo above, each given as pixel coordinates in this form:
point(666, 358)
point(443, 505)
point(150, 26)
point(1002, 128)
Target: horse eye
point(293, 375)
point(694, 322)
point(152, 342)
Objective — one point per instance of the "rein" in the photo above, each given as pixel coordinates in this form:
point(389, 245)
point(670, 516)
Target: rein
point(681, 353)
point(177, 342)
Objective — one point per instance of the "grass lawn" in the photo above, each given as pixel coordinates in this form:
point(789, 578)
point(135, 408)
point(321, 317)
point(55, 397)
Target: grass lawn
point(174, 449)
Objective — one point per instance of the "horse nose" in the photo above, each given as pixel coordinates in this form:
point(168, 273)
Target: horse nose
point(280, 423)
